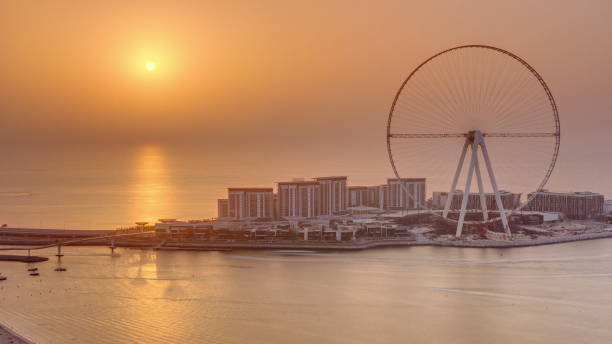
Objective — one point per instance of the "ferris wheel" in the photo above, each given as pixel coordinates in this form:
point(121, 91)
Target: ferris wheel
point(484, 101)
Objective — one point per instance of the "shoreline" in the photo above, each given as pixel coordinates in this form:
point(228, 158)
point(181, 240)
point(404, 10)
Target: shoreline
point(9, 336)
point(348, 246)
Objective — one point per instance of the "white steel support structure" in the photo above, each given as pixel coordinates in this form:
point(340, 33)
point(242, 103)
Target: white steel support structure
point(475, 140)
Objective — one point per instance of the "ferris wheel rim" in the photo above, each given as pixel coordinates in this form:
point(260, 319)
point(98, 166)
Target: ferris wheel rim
point(551, 100)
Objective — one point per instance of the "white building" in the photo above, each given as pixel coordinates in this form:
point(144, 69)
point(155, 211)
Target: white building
point(509, 200)
point(222, 208)
point(250, 203)
point(574, 205)
point(406, 193)
point(299, 199)
point(607, 207)
point(334, 194)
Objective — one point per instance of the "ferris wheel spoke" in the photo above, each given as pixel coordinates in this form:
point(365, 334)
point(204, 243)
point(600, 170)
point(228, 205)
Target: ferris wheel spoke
point(521, 134)
point(481, 97)
point(425, 136)
point(459, 135)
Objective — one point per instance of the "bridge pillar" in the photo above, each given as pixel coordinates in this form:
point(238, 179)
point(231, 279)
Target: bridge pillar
point(59, 251)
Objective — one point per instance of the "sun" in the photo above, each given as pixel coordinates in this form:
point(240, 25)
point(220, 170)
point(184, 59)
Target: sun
point(150, 66)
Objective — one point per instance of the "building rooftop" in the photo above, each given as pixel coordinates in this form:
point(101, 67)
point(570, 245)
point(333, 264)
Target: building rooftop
point(332, 178)
point(574, 193)
point(407, 179)
point(300, 182)
point(250, 189)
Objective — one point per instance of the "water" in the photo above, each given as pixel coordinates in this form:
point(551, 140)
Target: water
point(106, 186)
point(546, 294)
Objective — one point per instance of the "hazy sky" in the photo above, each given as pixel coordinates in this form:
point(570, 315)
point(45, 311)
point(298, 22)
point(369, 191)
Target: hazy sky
point(269, 76)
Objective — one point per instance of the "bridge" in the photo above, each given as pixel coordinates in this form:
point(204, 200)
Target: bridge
point(74, 241)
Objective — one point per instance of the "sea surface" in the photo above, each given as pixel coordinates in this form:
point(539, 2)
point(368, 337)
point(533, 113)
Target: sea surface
point(89, 186)
point(546, 294)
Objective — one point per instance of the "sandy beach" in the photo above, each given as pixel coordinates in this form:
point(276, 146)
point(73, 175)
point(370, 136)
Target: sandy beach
point(8, 336)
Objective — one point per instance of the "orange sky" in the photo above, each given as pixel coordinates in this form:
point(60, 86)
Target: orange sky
point(312, 75)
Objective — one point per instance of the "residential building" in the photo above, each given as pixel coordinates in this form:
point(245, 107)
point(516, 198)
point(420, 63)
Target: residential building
point(222, 208)
point(299, 199)
point(607, 207)
point(406, 193)
point(358, 196)
point(334, 194)
point(576, 205)
point(250, 203)
point(509, 200)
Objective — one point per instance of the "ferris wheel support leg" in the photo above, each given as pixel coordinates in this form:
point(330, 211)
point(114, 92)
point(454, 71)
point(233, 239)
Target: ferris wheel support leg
point(451, 193)
point(466, 192)
point(498, 201)
point(483, 199)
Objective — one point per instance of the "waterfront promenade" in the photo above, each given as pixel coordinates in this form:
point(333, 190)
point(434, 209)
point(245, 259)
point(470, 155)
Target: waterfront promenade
point(8, 336)
point(38, 237)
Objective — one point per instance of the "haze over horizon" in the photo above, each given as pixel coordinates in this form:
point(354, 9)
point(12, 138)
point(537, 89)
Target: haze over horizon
point(275, 82)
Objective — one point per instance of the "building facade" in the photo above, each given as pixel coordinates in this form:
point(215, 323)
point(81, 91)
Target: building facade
point(406, 193)
point(334, 194)
point(576, 205)
point(358, 196)
point(509, 200)
point(222, 208)
point(607, 207)
point(378, 196)
point(250, 203)
point(299, 199)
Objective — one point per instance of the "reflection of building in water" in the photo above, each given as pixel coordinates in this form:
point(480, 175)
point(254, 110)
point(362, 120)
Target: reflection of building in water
point(250, 203)
point(509, 200)
point(575, 205)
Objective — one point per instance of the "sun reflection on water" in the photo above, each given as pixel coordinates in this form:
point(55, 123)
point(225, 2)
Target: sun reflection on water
point(151, 192)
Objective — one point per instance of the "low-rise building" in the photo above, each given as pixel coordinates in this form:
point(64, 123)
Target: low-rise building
point(574, 205)
point(509, 200)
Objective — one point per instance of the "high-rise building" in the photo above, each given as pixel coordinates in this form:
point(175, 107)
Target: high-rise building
point(406, 193)
point(334, 195)
point(222, 208)
point(509, 200)
point(358, 196)
point(378, 196)
point(299, 199)
point(250, 203)
point(576, 205)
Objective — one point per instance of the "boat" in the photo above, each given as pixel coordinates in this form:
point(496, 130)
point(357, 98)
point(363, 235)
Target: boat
point(34, 273)
point(60, 269)
point(33, 269)
point(3, 278)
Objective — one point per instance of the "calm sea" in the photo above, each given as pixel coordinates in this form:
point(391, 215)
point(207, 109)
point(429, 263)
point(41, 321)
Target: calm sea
point(107, 186)
point(546, 294)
